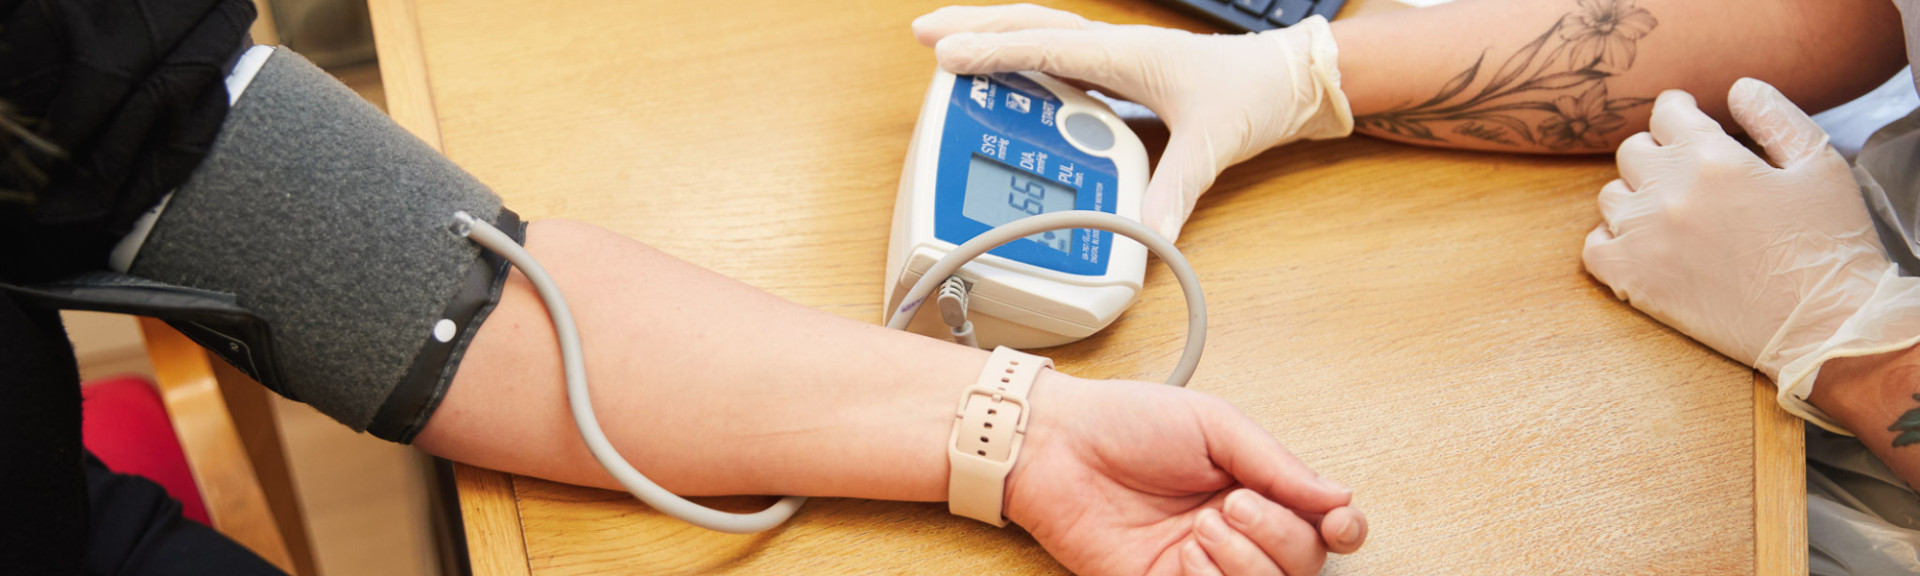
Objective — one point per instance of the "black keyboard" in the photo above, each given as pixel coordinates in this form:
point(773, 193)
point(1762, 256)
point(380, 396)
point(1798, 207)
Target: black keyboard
point(1257, 15)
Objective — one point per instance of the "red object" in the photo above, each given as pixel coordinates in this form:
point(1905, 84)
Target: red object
point(126, 426)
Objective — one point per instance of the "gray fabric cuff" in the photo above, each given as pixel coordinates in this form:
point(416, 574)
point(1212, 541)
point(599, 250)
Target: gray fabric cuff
point(330, 222)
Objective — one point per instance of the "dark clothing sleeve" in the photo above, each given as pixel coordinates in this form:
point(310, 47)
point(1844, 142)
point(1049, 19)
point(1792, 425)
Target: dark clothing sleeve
point(105, 105)
point(122, 99)
point(137, 530)
point(43, 497)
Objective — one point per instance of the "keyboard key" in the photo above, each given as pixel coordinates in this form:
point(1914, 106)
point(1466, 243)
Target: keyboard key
point(1254, 7)
point(1326, 8)
point(1290, 12)
point(1256, 15)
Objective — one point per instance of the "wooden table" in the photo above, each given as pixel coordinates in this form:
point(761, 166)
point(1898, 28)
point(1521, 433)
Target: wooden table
point(1413, 322)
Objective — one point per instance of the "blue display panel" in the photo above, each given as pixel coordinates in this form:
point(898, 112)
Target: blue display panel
point(1002, 158)
point(998, 194)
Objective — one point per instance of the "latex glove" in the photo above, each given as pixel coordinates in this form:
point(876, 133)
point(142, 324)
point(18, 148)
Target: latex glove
point(1779, 268)
point(1224, 98)
point(1133, 478)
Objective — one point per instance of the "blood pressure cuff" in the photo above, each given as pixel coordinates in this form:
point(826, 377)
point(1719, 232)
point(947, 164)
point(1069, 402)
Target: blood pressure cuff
point(312, 249)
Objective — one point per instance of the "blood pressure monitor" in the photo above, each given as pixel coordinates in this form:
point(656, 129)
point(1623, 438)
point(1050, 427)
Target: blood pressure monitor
point(992, 149)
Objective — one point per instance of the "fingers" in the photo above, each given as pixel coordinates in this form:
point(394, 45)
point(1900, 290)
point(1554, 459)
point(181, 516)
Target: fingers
point(1344, 530)
point(938, 24)
point(1601, 260)
point(1289, 541)
point(1195, 561)
point(1186, 169)
point(1619, 205)
point(1787, 133)
point(1254, 458)
point(1076, 54)
point(1637, 159)
point(1233, 552)
point(1677, 119)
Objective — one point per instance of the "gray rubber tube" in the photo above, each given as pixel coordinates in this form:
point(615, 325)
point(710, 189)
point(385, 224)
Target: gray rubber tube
point(1024, 227)
point(573, 363)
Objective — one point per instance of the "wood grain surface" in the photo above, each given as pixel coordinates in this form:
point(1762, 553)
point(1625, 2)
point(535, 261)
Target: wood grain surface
point(1412, 322)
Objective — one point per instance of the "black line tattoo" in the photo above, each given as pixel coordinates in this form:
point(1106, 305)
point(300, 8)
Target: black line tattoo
point(1908, 426)
point(1518, 106)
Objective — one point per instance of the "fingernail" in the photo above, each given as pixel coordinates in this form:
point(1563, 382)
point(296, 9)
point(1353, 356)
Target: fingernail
point(1744, 95)
point(1195, 558)
point(1211, 528)
point(1241, 509)
point(1331, 485)
point(1351, 534)
point(1169, 223)
point(1153, 213)
point(956, 51)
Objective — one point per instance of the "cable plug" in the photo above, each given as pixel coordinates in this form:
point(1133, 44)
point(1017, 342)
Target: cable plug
point(953, 309)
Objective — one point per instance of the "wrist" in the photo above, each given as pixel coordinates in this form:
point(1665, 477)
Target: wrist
point(1847, 334)
point(876, 438)
point(1043, 429)
point(990, 429)
point(1312, 59)
point(1864, 393)
point(1335, 119)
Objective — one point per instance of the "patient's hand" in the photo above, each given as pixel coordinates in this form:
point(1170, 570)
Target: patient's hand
point(1138, 478)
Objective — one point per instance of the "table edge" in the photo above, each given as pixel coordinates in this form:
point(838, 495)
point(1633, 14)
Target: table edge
point(1779, 486)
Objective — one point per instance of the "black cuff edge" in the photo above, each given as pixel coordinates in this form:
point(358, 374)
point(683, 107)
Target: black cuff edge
point(414, 400)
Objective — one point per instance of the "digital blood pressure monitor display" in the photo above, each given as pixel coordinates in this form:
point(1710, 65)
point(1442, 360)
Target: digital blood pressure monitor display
point(993, 149)
point(998, 194)
point(1004, 157)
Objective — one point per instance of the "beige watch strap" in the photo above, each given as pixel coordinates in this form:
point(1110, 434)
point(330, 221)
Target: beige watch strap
point(988, 429)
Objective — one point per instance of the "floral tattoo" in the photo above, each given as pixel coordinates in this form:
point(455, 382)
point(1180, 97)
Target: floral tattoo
point(1518, 105)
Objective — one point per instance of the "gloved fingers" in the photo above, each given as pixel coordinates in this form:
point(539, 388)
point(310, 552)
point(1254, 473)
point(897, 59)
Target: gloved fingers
point(1677, 119)
point(1091, 55)
point(938, 24)
point(1637, 158)
point(1786, 132)
point(1186, 170)
point(1619, 205)
point(1602, 260)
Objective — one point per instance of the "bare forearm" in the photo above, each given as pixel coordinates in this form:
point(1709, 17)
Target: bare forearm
point(712, 387)
point(1567, 76)
point(1878, 399)
point(707, 385)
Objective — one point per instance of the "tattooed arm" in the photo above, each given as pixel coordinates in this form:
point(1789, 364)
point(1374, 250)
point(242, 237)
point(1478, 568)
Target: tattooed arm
point(1567, 76)
point(1878, 398)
